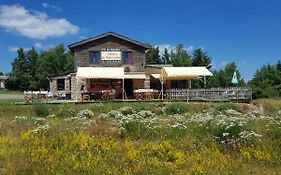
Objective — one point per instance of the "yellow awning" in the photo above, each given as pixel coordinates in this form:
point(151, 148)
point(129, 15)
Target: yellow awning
point(135, 76)
point(156, 76)
point(181, 73)
point(100, 72)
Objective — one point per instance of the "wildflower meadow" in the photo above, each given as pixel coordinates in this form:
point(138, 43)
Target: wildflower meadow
point(141, 138)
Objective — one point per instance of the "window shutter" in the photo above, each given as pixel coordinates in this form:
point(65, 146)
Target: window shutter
point(97, 56)
point(124, 59)
point(92, 57)
point(130, 58)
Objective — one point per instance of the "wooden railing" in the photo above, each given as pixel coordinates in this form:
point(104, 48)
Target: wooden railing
point(215, 94)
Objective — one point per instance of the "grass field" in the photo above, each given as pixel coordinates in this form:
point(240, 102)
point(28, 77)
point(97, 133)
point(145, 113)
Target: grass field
point(141, 138)
point(11, 92)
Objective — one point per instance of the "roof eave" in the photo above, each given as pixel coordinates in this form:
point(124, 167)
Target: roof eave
point(72, 46)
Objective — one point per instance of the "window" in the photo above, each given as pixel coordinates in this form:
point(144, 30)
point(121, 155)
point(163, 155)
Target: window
point(127, 58)
point(60, 84)
point(94, 57)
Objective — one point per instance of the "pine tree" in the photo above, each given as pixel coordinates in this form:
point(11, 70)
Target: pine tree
point(279, 66)
point(166, 57)
point(152, 56)
point(201, 58)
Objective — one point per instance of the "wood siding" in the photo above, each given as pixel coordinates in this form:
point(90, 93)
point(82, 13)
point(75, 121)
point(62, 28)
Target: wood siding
point(82, 56)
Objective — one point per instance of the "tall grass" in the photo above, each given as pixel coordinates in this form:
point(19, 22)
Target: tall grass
point(269, 105)
point(176, 108)
point(41, 110)
point(141, 138)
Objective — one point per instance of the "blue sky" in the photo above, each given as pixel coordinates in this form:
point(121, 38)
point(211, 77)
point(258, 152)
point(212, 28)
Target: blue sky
point(247, 32)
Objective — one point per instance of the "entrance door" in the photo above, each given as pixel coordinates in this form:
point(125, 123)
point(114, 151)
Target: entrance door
point(129, 87)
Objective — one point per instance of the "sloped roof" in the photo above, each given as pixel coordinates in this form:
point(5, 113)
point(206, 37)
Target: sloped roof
point(3, 77)
point(105, 35)
point(158, 65)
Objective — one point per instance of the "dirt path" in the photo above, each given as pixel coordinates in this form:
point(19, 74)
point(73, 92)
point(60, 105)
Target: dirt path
point(11, 97)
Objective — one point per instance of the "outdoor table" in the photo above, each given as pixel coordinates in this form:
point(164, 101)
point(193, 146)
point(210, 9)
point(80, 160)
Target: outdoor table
point(108, 94)
point(143, 94)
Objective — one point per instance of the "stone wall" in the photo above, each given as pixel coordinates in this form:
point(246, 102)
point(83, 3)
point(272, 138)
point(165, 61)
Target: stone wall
point(67, 88)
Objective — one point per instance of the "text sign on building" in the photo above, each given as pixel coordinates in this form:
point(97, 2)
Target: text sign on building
point(111, 55)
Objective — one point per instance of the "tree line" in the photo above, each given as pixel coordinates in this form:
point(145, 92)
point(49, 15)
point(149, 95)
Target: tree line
point(199, 57)
point(30, 69)
point(266, 82)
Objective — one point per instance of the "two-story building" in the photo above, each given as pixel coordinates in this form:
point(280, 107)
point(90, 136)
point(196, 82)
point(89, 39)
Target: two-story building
point(104, 62)
point(115, 64)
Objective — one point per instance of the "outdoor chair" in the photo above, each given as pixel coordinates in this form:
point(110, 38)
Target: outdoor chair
point(85, 97)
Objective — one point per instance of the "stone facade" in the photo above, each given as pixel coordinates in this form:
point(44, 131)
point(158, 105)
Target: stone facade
point(54, 86)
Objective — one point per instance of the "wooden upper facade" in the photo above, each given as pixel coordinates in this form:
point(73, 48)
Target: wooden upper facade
point(110, 50)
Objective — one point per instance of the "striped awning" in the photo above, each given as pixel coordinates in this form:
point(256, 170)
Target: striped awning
point(100, 72)
point(182, 73)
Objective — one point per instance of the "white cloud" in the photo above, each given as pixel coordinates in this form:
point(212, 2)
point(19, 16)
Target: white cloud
point(223, 63)
point(15, 49)
point(82, 37)
point(38, 45)
point(47, 5)
point(243, 62)
point(170, 48)
point(34, 24)
point(162, 47)
point(189, 49)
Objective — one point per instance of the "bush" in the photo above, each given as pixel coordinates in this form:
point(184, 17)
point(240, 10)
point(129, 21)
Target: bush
point(65, 111)
point(41, 110)
point(225, 106)
point(134, 129)
point(86, 113)
point(176, 108)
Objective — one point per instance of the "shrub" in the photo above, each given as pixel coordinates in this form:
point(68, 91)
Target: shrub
point(65, 111)
point(86, 113)
point(176, 108)
point(41, 110)
point(127, 110)
point(135, 129)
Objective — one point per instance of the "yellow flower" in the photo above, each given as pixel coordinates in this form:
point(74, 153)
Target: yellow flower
point(26, 135)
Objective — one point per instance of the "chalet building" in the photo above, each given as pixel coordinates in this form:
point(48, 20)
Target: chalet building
point(112, 66)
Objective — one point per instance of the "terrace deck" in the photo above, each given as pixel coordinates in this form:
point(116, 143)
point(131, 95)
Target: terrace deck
point(215, 95)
